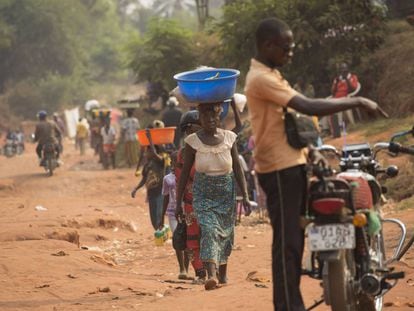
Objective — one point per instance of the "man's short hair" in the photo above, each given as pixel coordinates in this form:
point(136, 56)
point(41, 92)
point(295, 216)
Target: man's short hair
point(270, 28)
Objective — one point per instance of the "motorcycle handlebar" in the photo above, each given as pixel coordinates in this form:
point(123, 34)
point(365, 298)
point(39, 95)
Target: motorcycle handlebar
point(397, 148)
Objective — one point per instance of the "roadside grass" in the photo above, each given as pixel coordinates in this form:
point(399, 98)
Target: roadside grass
point(380, 126)
point(406, 204)
point(400, 188)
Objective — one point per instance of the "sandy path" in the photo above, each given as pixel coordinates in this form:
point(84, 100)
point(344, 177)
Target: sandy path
point(92, 249)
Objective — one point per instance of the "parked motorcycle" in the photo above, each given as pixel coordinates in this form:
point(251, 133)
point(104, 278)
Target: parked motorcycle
point(49, 158)
point(345, 235)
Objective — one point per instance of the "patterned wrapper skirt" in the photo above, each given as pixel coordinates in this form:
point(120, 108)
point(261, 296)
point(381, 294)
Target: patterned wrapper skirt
point(214, 203)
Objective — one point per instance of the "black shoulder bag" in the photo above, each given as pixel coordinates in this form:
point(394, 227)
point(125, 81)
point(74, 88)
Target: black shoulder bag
point(300, 129)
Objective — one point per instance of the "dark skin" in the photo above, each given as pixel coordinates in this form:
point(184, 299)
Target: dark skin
point(238, 124)
point(183, 260)
point(277, 51)
point(209, 135)
point(151, 154)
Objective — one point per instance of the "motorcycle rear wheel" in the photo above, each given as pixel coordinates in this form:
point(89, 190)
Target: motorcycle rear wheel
point(338, 282)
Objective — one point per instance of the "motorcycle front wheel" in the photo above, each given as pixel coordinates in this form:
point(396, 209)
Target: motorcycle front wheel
point(50, 167)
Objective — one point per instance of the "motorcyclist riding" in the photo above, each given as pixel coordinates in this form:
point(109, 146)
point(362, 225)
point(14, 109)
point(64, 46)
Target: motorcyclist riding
point(46, 132)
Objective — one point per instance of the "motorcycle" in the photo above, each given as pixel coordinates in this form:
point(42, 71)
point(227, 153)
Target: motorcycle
point(49, 158)
point(345, 236)
point(12, 148)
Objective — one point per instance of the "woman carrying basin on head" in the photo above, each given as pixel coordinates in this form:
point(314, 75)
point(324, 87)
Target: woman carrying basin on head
point(214, 199)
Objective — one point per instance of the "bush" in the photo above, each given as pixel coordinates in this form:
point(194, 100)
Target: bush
point(387, 75)
point(52, 93)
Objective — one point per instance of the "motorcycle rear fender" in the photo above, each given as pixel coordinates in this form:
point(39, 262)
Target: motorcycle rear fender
point(329, 256)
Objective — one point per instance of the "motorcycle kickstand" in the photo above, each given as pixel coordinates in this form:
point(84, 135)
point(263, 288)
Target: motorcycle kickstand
point(315, 304)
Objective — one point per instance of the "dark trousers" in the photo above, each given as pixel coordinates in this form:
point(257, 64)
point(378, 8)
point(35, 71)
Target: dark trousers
point(155, 200)
point(39, 150)
point(286, 202)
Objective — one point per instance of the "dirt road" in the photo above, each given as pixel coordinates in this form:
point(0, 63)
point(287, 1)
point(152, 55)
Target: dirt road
point(77, 241)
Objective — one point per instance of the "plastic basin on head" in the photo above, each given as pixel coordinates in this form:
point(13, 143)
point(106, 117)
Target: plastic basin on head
point(212, 85)
point(160, 136)
point(225, 111)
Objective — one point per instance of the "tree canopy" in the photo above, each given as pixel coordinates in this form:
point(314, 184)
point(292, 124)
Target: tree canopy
point(52, 52)
point(48, 45)
point(164, 50)
point(325, 32)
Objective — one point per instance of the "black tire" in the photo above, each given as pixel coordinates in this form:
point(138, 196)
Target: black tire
point(339, 282)
point(377, 246)
point(8, 153)
point(50, 166)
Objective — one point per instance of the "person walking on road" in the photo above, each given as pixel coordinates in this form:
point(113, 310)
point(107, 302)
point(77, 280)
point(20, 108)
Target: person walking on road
point(190, 124)
point(344, 84)
point(129, 127)
point(108, 133)
point(82, 133)
point(280, 167)
point(214, 152)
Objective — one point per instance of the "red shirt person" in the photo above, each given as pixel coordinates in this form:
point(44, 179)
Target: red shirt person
point(343, 85)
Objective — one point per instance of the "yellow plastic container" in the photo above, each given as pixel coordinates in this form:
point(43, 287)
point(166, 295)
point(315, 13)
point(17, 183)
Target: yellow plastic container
point(159, 237)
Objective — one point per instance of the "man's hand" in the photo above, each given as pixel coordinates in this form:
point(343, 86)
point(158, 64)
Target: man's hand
point(316, 158)
point(133, 192)
point(372, 106)
point(368, 104)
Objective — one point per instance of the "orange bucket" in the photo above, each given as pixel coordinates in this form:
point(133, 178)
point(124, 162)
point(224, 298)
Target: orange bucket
point(160, 136)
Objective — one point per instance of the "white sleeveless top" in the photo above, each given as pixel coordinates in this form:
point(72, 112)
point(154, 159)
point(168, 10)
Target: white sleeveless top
point(213, 160)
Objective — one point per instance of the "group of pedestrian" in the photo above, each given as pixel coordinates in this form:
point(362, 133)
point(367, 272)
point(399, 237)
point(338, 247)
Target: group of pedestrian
point(212, 155)
point(199, 187)
point(104, 137)
point(171, 181)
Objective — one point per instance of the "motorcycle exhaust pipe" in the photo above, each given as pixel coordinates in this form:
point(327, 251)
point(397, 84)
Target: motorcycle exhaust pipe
point(371, 284)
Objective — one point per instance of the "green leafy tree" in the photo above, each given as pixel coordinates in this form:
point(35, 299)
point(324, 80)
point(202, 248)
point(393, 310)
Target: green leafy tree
point(325, 31)
point(53, 51)
point(164, 50)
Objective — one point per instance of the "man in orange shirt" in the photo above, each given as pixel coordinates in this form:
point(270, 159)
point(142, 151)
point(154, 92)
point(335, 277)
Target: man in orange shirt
point(280, 167)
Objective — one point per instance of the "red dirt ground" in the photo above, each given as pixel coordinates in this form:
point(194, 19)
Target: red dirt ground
point(93, 248)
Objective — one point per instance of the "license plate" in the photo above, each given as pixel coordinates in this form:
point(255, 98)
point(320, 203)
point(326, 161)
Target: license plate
point(331, 237)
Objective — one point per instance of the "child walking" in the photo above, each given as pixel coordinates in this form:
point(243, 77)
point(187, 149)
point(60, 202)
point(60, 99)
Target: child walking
point(169, 207)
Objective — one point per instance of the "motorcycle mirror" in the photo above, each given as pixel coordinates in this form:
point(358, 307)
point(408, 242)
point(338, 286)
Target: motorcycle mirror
point(392, 171)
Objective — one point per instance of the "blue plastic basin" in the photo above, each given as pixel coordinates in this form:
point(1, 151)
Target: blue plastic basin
point(224, 113)
point(210, 85)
